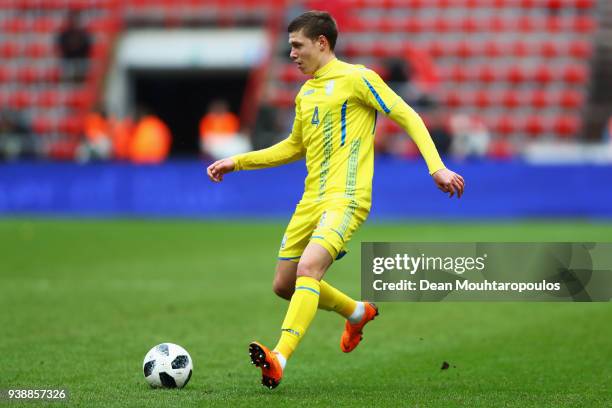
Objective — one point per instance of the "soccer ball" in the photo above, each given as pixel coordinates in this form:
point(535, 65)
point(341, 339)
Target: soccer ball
point(167, 365)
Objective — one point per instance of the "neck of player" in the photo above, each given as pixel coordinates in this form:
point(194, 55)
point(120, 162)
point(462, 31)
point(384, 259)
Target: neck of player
point(325, 59)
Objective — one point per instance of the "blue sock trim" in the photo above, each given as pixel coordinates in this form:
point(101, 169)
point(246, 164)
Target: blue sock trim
point(307, 288)
point(296, 333)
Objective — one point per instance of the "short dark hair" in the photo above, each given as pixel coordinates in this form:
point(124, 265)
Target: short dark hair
point(316, 23)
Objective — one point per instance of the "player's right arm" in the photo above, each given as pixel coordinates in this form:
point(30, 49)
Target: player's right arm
point(375, 93)
point(287, 151)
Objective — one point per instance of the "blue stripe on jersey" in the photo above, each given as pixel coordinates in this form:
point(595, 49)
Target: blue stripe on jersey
point(339, 234)
point(343, 122)
point(375, 118)
point(377, 96)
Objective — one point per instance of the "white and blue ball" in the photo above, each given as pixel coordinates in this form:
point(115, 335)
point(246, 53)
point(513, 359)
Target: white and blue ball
point(167, 365)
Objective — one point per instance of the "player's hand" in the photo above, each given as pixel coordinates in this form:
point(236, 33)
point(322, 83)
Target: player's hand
point(219, 168)
point(449, 182)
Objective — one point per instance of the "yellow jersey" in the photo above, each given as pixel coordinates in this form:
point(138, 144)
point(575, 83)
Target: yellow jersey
point(334, 129)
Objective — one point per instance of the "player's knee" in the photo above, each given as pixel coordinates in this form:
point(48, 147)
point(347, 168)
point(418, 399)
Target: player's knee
point(310, 269)
point(282, 290)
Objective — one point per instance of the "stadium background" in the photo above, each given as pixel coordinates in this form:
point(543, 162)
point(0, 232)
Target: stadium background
point(102, 257)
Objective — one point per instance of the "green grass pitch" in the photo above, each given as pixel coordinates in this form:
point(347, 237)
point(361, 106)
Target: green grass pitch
point(82, 301)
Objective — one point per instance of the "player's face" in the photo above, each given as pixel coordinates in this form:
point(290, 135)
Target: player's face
point(305, 52)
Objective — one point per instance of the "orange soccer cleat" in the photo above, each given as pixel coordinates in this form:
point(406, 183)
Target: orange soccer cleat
point(271, 370)
point(353, 332)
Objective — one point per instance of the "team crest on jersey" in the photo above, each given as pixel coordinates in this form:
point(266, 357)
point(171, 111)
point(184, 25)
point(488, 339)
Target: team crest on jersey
point(329, 87)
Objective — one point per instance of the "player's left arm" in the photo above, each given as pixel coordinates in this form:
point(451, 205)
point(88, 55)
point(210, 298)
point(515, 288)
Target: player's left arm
point(374, 92)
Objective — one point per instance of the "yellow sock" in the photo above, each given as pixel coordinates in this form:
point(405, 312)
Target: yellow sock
point(332, 299)
point(302, 309)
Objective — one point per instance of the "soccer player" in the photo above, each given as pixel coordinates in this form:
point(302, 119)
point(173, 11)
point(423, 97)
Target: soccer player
point(335, 122)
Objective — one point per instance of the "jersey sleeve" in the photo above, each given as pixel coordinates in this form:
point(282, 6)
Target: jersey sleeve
point(372, 91)
point(286, 151)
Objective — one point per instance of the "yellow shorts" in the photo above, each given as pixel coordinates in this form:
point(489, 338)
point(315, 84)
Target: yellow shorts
point(330, 224)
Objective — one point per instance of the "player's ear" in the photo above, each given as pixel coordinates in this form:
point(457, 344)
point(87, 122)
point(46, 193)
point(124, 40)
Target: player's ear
point(321, 41)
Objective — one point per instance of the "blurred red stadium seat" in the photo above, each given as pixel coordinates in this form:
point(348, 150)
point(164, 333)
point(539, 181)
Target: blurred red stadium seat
point(580, 49)
point(6, 74)
point(437, 49)
point(549, 49)
point(492, 49)
point(470, 25)
point(543, 74)
point(387, 25)
point(483, 99)
point(511, 99)
point(38, 50)
point(565, 126)
point(505, 125)
point(103, 25)
point(584, 24)
point(46, 25)
point(27, 74)
point(585, 4)
point(520, 49)
point(42, 125)
point(525, 24)
point(497, 24)
point(487, 74)
point(351, 49)
point(570, 99)
point(465, 49)
point(20, 99)
point(80, 99)
point(16, 25)
point(442, 25)
point(459, 74)
point(49, 98)
point(71, 125)
point(9, 49)
point(412, 25)
point(99, 50)
point(283, 98)
point(290, 73)
point(554, 24)
point(539, 99)
point(574, 74)
point(63, 149)
point(50, 74)
point(391, 127)
point(453, 99)
point(534, 126)
point(515, 74)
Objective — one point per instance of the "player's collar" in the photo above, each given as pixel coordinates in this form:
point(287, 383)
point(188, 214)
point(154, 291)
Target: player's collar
point(325, 68)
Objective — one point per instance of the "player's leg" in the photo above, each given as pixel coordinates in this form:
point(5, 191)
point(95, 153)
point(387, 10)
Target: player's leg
point(294, 242)
point(284, 279)
point(305, 300)
point(292, 247)
point(302, 308)
point(338, 224)
point(330, 298)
